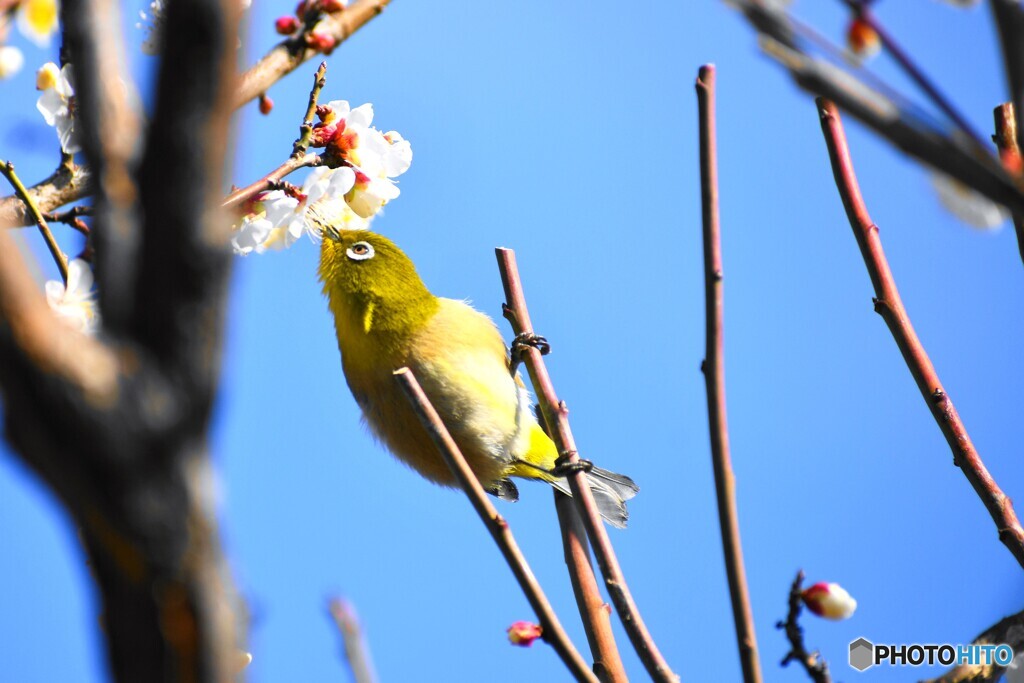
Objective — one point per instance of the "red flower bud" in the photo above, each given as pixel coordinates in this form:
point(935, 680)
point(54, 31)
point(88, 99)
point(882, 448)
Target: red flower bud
point(829, 600)
point(266, 104)
point(523, 633)
point(331, 6)
point(286, 25)
point(324, 42)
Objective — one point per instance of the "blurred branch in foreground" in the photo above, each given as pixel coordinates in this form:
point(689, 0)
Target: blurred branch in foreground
point(890, 306)
point(353, 642)
point(117, 425)
point(552, 631)
point(889, 114)
point(556, 419)
point(713, 368)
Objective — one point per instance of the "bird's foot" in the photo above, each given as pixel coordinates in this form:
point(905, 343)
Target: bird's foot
point(521, 343)
point(563, 466)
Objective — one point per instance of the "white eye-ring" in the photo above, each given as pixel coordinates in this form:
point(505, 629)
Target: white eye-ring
point(360, 251)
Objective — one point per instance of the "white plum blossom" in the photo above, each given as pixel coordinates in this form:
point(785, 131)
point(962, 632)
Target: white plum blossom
point(37, 20)
point(75, 303)
point(829, 600)
point(56, 104)
point(11, 61)
point(347, 196)
point(969, 206)
point(376, 157)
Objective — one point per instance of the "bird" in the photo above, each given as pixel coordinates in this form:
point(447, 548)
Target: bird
point(385, 319)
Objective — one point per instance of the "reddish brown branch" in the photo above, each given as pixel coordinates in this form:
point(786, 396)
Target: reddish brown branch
point(890, 306)
point(714, 377)
point(357, 654)
point(594, 611)
point(293, 52)
point(556, 416)
point(553, 632)
point(237, 199)
point(812, 662)
point(1009, 153)
point(306, 129)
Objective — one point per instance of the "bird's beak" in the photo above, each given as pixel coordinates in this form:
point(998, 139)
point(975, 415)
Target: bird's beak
point(332, 232)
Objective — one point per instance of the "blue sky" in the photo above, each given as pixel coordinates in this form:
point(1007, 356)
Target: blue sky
point(567, 131)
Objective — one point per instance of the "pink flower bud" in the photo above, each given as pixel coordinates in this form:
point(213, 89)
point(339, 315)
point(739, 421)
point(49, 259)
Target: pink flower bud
point(266, 104)
point(286, 25)
point(829, 600)
point(331, 6)
point(523, 633)
point(322, 41)
point(322, 134)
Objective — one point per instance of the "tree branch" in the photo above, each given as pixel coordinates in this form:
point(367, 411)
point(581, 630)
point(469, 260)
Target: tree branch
point(714, 376)
point(68, 183)
point(812, 662)
point(293, 52)
point(1009, 20)
point(595, 613)
point(890, 306)
point(556, 417)
point(553, 632)
point(7, 168)
point(352, 641)
point(1009, 152)
point(235, 201)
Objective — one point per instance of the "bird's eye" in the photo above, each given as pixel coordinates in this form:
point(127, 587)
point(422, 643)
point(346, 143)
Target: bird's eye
point(360, 251)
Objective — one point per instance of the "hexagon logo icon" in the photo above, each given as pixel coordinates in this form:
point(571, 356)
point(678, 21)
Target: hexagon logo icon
point(862, 654)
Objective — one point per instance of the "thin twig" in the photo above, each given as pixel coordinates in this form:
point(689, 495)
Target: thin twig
point(890, 306)
point(594, 611)
point(860, 9)
point(812, 662)
point(1009, 19)
point(71, 217)
point(1009, 631)
point(556, 416)
point(67, 184)
point(553, 632)
point(357, 654)
point(289, 54)
point(7, 168)
point(237, 199)
point(1009, 152)
point(306, 129)
point(714, 377)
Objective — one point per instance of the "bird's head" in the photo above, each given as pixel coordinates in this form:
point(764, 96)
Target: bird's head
point(371, 283)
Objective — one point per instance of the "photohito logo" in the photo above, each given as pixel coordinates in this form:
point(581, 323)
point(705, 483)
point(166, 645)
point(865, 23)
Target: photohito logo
point(864, 654)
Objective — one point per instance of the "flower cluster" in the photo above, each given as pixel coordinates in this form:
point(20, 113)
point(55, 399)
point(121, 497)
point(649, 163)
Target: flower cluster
point(829, 600)
point(311, 12)
point(75, 302)
point(57, 103)
point(357, 182)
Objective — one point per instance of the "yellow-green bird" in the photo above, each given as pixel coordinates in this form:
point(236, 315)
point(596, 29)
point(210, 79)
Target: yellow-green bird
point(386, 318)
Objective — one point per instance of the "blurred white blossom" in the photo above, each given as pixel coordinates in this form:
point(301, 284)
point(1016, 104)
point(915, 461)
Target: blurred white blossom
point(969, 206)
point(56, 104)
point(75, 303)
point(11, 61)
point(37, 20)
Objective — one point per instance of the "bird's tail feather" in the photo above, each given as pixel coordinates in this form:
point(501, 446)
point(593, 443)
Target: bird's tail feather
point(611, 491)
